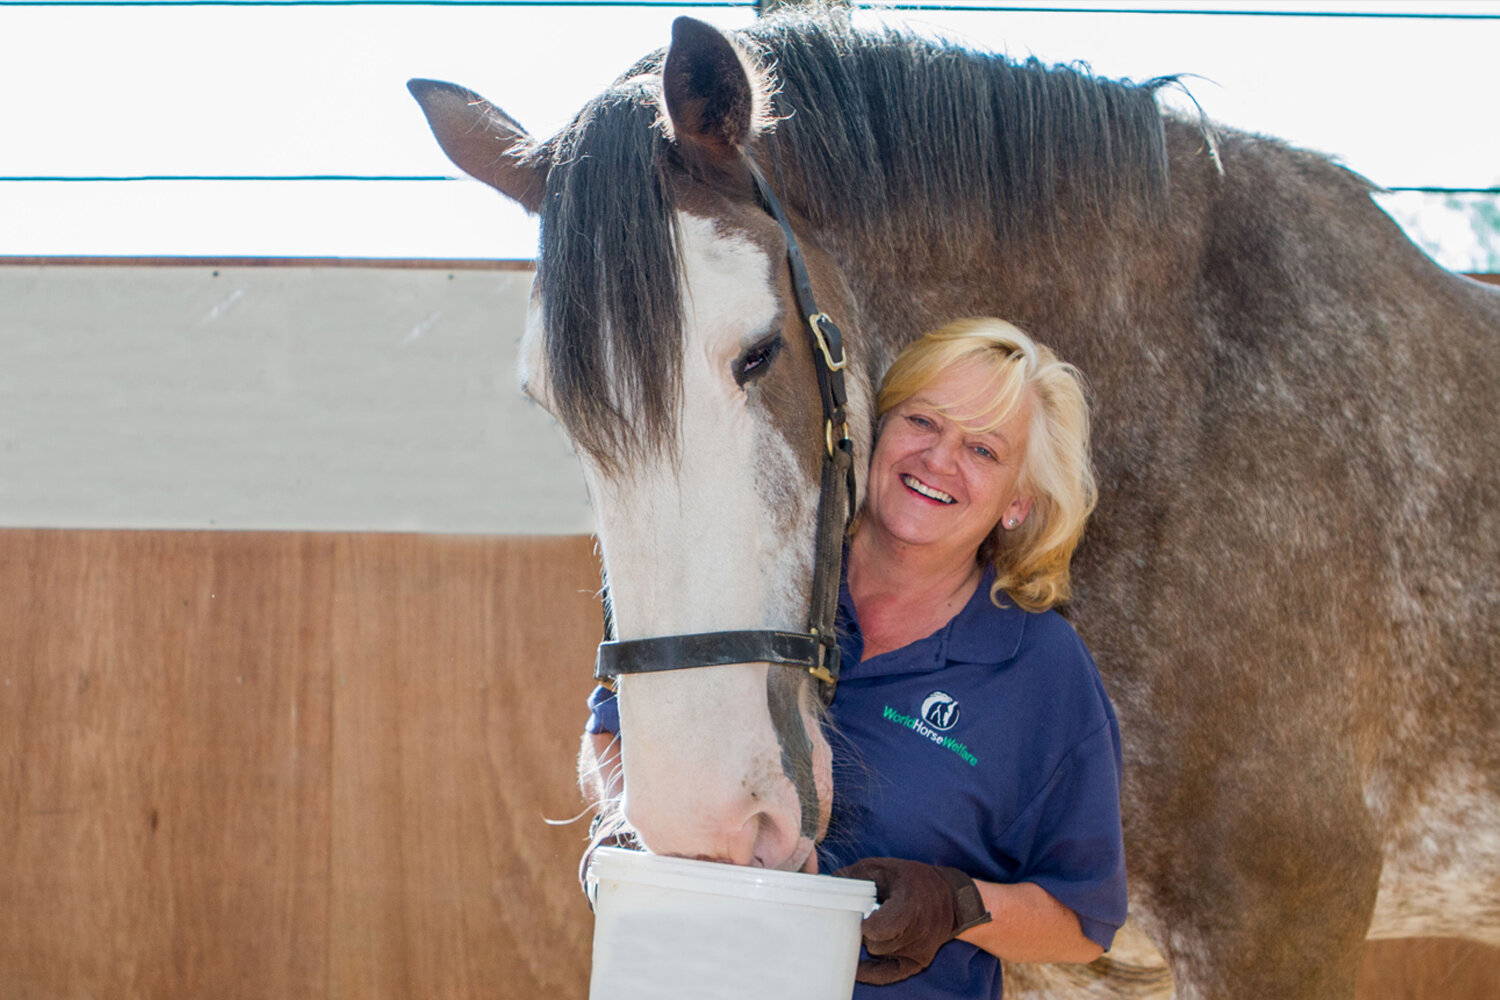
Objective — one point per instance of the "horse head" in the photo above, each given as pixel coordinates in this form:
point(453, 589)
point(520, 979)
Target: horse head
point(664, 338)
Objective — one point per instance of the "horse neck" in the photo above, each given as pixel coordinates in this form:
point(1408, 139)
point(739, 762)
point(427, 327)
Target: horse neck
point(1093, 272)
point(1105, 289)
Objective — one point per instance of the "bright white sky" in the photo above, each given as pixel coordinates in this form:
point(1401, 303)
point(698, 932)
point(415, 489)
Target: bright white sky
point(109, 90)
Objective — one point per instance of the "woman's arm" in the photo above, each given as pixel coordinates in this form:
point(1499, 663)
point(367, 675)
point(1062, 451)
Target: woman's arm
point(1028, 925)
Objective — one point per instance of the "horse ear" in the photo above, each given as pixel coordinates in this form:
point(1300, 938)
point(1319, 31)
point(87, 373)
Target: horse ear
point(709, 95)
point(483, 141)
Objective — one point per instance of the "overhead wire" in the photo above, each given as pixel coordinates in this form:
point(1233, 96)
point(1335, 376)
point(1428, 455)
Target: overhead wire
point(872, 5)
point(430, 178)
point(901, 5)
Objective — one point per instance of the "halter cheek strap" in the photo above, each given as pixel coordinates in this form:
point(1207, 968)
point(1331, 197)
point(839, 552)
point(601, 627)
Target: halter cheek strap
point(815, 650)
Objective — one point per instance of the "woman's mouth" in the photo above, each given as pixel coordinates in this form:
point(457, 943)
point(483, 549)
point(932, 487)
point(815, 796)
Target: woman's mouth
point(917, 486)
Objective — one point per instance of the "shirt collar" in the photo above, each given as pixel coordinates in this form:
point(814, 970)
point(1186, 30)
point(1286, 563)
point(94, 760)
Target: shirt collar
point(979, 633)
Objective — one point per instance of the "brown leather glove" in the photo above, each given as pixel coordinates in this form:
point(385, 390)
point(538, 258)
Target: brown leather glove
point(922, 908)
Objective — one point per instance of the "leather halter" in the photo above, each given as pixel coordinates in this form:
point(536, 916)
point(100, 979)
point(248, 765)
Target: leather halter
point(815, 650)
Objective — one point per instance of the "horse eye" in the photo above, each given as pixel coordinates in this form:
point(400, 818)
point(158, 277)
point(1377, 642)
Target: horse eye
point(756, 360)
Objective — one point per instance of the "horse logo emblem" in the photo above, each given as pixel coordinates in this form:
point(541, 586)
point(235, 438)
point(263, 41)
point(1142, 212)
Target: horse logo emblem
point(940, 711)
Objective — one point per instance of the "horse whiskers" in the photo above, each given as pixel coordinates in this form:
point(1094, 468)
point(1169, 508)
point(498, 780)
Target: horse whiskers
point(597, 807)
point(600, 771)
point(571, 819)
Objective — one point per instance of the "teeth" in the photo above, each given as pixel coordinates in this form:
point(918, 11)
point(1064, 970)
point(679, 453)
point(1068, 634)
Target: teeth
point(925, 490)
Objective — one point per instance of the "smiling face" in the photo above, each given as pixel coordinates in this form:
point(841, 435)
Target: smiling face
point(947, 465)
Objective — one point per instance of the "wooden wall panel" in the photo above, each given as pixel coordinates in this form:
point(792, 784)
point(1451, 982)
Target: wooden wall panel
point(251, 765)
point(165, 738)
point(1429, 969)
point(291, 765)
point(448, 881)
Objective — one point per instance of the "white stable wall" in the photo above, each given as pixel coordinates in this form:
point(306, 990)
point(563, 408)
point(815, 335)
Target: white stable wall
point(301, 396)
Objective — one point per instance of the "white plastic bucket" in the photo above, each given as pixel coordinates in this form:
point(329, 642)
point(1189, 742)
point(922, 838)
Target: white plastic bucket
point(673, 929)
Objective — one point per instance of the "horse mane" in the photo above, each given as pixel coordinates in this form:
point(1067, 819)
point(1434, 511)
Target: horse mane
point(920, 133)
point(877, 133)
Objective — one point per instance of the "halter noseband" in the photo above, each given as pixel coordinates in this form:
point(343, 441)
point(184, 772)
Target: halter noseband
point(815, 650)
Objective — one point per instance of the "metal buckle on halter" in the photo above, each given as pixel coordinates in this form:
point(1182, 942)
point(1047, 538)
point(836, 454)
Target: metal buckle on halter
point(828, 434)
point(818, 669)
point(815, 323)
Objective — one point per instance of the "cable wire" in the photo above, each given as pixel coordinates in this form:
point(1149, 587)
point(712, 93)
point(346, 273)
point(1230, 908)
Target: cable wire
point(234, 178)
point(430, 178)
point(895, 5)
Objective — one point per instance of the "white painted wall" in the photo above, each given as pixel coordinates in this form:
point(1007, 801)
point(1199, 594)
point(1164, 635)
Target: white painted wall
point(358, 398)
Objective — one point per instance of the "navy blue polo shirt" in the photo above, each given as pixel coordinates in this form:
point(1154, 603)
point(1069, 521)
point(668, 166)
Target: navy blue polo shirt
point(989, 746)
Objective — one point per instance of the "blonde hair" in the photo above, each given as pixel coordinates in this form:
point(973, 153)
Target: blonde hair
point(1031, 561)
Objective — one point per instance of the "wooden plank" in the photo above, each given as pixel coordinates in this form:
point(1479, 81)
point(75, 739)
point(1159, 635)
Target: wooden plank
point(1429, 969)
point(291, 765)
point(164, 727)
point(248, 765)
point(448, 881)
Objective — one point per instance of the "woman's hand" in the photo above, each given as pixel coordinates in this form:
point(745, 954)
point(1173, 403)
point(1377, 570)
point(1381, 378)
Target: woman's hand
point(922, 908)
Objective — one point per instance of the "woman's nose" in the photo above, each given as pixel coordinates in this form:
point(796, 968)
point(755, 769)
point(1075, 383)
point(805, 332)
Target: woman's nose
point(942, 455)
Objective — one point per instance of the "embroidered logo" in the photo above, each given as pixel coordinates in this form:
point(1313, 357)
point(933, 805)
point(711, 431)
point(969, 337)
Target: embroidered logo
point(922, 729)
point(940, 710)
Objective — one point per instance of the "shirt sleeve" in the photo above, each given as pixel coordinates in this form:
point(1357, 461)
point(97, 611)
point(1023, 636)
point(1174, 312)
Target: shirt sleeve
point(604, 712)
point(1070, 836)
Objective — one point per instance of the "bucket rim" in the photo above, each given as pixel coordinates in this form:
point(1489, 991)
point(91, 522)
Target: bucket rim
point(800, 888)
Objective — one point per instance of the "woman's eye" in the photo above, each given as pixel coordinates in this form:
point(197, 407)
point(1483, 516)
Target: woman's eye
point(984, 452)
point(754, 362)
point(920, 421)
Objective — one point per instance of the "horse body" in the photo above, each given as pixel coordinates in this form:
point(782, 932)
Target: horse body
point(1290, 584)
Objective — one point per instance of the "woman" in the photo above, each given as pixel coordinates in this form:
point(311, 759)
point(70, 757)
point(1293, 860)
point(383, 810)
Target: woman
point(973, 738)
point(977, 757)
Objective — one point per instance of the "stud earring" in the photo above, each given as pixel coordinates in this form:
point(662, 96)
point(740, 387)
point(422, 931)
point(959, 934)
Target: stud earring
point(1011, 523)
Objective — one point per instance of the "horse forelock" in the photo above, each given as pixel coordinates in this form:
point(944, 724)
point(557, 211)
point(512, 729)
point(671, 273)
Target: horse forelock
point(607, 277)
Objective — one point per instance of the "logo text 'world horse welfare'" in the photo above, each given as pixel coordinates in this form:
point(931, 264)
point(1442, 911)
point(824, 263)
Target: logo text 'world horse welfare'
point(923, 729)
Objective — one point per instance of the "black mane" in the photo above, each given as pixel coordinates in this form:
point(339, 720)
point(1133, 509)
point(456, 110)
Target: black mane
point(876, 133)
point(893, 130)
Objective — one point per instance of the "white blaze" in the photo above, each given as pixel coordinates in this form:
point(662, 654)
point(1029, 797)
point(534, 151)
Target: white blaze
point(704, 527)
point(713, 541)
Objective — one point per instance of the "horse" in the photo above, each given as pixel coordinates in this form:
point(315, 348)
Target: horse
point(1290, 583)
